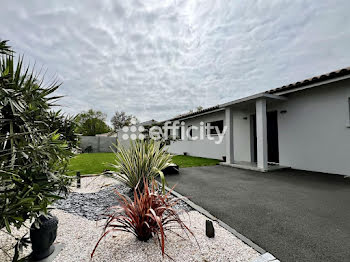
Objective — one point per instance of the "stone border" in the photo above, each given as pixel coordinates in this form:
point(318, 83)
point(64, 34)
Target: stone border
point(267, 257)
point(221, 223)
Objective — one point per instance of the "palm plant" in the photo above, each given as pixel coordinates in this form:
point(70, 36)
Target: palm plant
point(142, 159)
point(149, 214)
point(4, 48)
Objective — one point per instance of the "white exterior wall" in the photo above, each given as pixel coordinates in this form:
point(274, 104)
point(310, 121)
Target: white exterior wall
point(201, 148)
point(314, 133)
point(208, 148)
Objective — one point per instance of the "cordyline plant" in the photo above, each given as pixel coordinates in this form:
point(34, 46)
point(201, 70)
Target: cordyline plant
point(142, 159)
point(150, 214)
point(33, 159)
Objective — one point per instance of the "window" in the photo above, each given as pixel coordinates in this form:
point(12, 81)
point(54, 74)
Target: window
point(179, 135)
point(214, 126)
point(190, 134)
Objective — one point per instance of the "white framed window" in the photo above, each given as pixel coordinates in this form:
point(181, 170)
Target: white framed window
point(190, 133)
point(214, 126)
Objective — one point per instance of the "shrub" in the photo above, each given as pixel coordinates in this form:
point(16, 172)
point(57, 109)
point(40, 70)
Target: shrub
point(33, 160)
point(142, 159)
point(149, 214)
point(65, 126)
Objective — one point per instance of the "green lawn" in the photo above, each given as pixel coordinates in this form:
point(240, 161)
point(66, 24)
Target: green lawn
point(91, 163)
point(95, 163)
point(191, 161)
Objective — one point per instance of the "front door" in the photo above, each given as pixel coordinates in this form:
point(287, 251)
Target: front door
point(272, 137)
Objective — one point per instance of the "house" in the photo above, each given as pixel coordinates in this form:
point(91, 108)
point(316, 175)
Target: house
point(304, 125)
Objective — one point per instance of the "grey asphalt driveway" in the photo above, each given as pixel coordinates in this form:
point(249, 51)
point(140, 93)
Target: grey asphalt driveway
point(295, 215)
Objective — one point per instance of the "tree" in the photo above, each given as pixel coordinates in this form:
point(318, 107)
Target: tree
point(65, 126)
point(91, 123)
point(33, 160)
point(199, 108)
point(121, 119)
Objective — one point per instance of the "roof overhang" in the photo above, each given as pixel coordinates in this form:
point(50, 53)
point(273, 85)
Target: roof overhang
point(249, 99)
point(252, 98)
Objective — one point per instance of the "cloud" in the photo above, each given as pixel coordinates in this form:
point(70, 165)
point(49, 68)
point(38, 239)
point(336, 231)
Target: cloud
point(156, 59)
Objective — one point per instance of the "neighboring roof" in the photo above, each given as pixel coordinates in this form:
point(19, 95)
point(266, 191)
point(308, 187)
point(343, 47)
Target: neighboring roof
point(290, 87)
point(312, 80)
point(148, 123)
point(195, 113)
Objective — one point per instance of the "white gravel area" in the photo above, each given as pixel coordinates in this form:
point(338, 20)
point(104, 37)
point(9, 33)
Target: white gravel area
point(7, 243)
point(93, 184)
point(79, 235)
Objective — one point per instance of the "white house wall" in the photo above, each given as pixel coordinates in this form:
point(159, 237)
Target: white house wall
point(313, 133)
point(202, 148)
point(208, 148)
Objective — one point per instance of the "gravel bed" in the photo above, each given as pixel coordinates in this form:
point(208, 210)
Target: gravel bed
point(79, 235)
point(93, 184)
point(93, 203)
point(80, 226)
point(7, 242)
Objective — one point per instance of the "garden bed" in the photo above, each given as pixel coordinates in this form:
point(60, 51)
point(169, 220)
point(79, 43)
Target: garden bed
point(80, 226)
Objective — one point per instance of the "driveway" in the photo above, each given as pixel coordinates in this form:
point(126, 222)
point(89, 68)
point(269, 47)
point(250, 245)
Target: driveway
point(295, 215)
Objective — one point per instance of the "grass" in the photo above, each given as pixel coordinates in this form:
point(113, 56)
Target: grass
point(191, 161)
point(91, 163)
point(95, 163)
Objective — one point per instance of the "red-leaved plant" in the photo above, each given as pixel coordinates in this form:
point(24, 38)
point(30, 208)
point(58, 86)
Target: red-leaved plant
point(151, 213)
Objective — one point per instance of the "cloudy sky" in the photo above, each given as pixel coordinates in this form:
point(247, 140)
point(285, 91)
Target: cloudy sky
point(156, 59)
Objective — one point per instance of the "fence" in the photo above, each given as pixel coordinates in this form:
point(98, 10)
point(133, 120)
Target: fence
point(97, 143)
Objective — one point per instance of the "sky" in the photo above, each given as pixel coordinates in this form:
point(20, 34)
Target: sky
point(157, 59)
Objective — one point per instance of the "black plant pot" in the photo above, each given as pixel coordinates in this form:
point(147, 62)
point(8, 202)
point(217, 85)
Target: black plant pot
point(43, 237)
point(171, 169)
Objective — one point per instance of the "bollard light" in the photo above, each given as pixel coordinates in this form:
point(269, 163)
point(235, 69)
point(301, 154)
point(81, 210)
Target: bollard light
point(78, 180)
point(209, 229)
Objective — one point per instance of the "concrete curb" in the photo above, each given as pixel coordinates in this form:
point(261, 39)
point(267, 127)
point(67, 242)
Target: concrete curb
point(221, 223)
point(267, 257)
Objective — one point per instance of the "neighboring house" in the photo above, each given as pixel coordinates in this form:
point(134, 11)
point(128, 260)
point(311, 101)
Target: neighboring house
point(304, 125)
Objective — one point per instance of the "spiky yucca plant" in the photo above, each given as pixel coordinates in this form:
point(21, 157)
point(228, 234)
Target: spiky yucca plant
point(149, 214)
point(142, 159)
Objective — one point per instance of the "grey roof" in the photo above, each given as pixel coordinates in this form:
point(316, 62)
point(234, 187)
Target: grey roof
point(312, 80)
point(147, 123)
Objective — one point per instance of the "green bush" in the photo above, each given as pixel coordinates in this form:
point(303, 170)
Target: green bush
point(33, 160)
point(65, 126)
point(142, 159)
